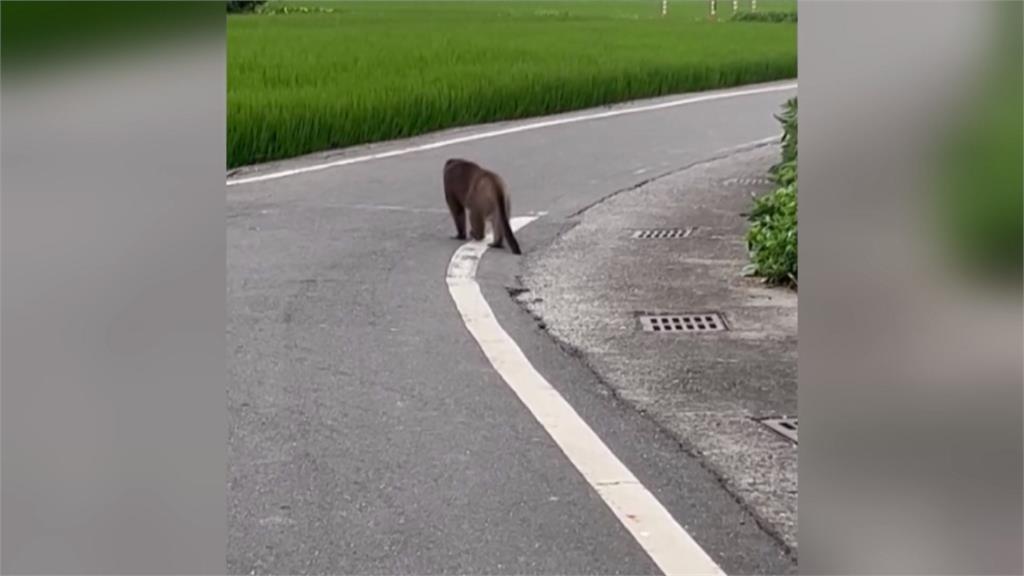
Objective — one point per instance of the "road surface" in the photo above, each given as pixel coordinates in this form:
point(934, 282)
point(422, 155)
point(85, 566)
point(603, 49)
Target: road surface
point(368, 431)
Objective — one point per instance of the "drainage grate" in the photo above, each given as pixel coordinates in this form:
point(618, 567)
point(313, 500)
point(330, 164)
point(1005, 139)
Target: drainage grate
point(749, 181)
point(664, 233)
point(704, 322)
point(783, 426)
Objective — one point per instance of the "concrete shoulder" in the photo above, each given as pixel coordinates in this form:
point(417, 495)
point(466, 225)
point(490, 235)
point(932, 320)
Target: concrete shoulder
point(675, 247)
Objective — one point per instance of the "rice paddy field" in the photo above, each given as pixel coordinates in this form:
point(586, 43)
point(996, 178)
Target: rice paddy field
point(351, 72)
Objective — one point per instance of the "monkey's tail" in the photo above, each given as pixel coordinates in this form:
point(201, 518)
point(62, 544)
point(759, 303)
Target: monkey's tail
point(513, 244)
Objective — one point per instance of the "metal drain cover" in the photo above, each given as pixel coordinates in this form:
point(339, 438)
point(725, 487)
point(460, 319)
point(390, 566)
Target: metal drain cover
point(749, 181)
point(664, 233)
point(703, 322)
point(784, 426)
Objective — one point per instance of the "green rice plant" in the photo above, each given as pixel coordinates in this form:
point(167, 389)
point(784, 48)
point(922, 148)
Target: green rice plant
point(373, 71)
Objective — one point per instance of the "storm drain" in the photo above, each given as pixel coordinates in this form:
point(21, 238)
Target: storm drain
point(704, 322)
point(664, 233)
point(749, 181)
point(783, 426)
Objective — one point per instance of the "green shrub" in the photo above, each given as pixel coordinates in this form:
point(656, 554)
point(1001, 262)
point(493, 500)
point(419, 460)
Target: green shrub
point(240, 6)
point(36, 35)
point(788, 119)
point(772, 237)
point(286, 9)
point(771, 17)
point(978, 219)
point(785, 173)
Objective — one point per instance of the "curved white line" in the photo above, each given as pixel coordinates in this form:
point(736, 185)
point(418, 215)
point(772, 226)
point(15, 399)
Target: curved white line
point(664, 540)
point(513, 130)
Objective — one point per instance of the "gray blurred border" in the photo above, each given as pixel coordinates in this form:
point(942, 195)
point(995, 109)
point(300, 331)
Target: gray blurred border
point(112, 292)
point(910, 361)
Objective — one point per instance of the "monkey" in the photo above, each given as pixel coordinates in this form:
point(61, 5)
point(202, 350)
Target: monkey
point(468, 186)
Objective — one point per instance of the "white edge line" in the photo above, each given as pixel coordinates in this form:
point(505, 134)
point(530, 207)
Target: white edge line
point(653, 527)
point(511, 130)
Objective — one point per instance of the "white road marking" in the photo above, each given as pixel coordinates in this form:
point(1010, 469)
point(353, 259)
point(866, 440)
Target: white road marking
point(513, 130)
point(664, 540)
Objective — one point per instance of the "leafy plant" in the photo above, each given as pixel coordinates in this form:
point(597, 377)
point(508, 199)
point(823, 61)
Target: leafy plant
point(979, 215)
point(286, 9)
point(785, 173)
point(241, 6)
point(772, 237)
point(788, 119)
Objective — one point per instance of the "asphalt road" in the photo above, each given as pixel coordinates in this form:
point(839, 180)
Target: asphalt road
point(369, 434)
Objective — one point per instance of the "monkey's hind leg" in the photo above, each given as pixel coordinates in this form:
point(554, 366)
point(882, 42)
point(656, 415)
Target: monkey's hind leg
point(477, 225)
point(499, 235)
point(459, 215)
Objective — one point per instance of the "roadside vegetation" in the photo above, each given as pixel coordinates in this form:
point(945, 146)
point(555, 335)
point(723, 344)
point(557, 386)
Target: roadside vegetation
point(978, 219)
point(772, 237)
point(764, 16)
point(346, 73)
point(242, 6)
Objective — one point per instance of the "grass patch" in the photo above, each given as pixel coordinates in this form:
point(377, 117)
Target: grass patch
point(772, 237)
point(372, 71)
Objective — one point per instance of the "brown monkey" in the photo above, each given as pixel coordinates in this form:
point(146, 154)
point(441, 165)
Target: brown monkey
point(467, 186)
